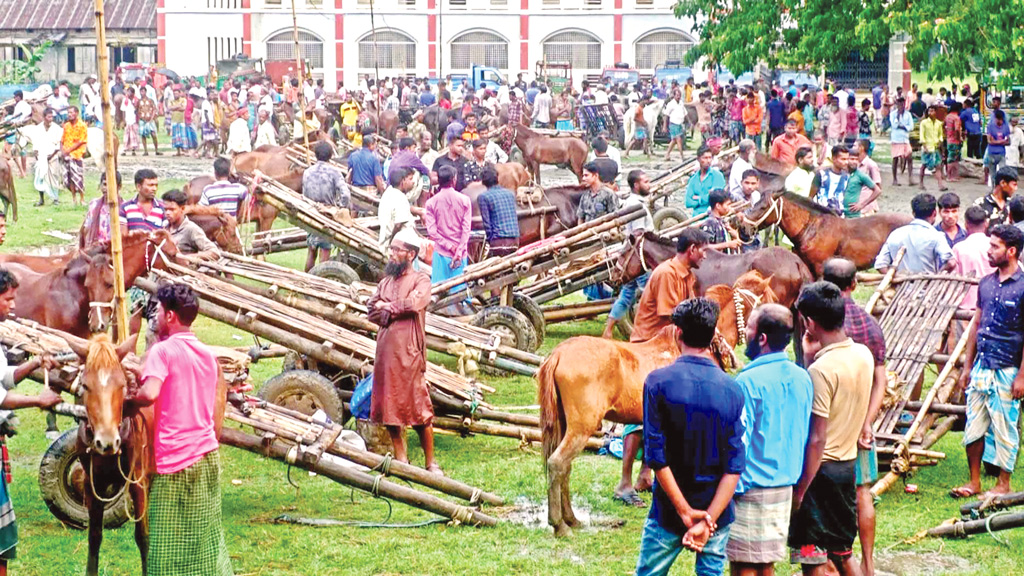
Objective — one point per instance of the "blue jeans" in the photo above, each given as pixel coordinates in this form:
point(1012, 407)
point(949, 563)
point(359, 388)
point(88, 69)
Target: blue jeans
point(659, 549)
point(597, 292)
point(627, 296)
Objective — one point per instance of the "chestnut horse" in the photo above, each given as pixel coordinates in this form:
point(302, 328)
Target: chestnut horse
point(644, 251)
point(564, 151)
point(587, 379)
point(219, 226)
point(817, 234)
point(564, 198)
point(76, 297)
point(115, 443)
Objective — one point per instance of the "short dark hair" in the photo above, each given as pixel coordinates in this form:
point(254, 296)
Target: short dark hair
point(176, 196)
point(691, 237)
point(369, 140)
point(117, 177)
point(221, 167)
point(1012, 236)
point(803, 152)
point(702, 150)
point(840, 272)
point(479, 142)
point(975, 216)
point(1006, 175)
point(696, 318)
point(144, 174)
point(999, 114)
point(949, 200)
point(405, 142)
point(599, 144)
point(717, 196)
point(592, 167)
point(776, 323)
point(398, 174)
point(633, 177)
point(446, 176)
point(748, 173)
point(839, 149)
point(180, 299)
point(7, 280)
point(923, 205)
point(1016, 206)
point(823, 302)
point(323, 151)
point(489, 176)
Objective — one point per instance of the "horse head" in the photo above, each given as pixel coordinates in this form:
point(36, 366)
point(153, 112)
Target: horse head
point(766, 212)
point(98, 281)
point(104, 386)
point(755, 288)
point(630, 262)
point(226, 235)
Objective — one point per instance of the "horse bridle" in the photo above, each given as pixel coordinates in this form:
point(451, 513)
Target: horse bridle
point(636, 248)
point(150, 261)
point(775, 208)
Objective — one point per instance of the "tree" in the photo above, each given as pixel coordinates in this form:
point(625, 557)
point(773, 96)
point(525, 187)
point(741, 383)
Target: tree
point(24, 71)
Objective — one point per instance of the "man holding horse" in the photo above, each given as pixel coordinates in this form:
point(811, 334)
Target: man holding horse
point(187, 235)
point(693, 439)
point(223, 193)
point(672, 282)
point(182, 378)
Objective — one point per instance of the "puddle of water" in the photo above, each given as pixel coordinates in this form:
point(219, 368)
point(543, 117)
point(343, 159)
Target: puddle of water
point(525, 512)
point(919, 564)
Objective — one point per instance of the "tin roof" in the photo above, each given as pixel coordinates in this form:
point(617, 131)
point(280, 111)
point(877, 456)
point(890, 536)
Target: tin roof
point(25, 15)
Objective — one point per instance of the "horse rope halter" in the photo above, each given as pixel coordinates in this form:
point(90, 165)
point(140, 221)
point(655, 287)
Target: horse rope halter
point(150, 261)
point(738, 295)
point(775, 208)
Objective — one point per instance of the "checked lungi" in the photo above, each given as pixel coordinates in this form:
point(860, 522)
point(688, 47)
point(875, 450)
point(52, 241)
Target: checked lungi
point(147, 129)
point(8, 523)
point(759, 532)
point(75, 172)
point(131, 137)
point(992, 415)
point(186, 536)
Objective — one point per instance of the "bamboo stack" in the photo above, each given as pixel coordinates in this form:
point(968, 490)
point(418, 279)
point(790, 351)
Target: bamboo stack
point(277, 240)
point(298, 154)
point(672, 231)
point(316, 218)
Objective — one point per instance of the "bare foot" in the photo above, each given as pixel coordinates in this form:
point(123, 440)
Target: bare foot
point(968, 490)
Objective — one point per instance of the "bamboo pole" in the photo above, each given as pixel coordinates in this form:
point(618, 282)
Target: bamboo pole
point(1004, 501)
point(300, 71)
point(886, 281)
point(103, 66)
point(524, 433)
point(962, 529)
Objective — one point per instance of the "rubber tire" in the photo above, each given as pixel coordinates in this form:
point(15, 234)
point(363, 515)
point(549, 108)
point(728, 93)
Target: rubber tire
point(533, 313)
point(509, 319)
point(304, 391)
point(63, 501)
point(668, 216)
point(334, 270)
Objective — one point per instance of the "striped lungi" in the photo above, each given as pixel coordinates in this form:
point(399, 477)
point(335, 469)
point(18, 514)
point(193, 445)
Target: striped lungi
point(759, 532)
point(131, 137)
point(179, 136)
point(210, 133)
point(992, 415)
point(8, 523)
point(75, 180)
point(147, 128)
point(186, 536)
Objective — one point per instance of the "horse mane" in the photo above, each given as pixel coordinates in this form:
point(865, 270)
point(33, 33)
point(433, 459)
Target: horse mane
point(197, 210)
point(102, 355)
point(652, 236)
point(754, 279)
point(806, 203)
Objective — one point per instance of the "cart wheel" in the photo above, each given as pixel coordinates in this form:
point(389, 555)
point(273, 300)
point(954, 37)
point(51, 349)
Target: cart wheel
point(334, 270)
point(304, 391)
point(668, 216)
point(512, 325)
point(529, 308)
point(62, 482)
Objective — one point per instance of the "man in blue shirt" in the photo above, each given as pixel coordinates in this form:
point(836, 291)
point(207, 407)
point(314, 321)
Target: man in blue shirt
point(971, 120)
point(994, 351)
point(498, 212)
point(703, 182)
point(427, 97)
point(693, 440)
point(998, 138)
point(776, 117)
point(777, 397)
point(901, 122)
point(927, 251)
point(364, 169)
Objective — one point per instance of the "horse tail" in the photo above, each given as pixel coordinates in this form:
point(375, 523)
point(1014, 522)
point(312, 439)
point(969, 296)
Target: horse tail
point(552, 416)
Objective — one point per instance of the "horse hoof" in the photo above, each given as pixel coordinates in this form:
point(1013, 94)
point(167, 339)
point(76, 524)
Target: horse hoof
point(572, 522)
point(562, 531)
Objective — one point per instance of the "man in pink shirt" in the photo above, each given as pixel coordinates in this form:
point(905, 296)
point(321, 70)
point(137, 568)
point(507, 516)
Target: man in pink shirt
point(971, 254)
point(448, 216)
point(182, 377)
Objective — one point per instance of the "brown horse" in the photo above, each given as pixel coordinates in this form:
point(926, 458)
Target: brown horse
point(512, 175)
point(564, 151)
point(41, 264)
point(644, 251)
point(817, 234)
point(564, 198)
point(219, 226)
point(8, 195)
point(587, 379)
point(115, 443)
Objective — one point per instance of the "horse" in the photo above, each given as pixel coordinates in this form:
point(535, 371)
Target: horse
point(41, 264)
point(817, 234)
point(77, 297)
point(651, 113)
point(219, 226)
point(564, 151)
point(512, 175)
point(436, 119)
point(564, 198)
point(587, 379)
point(644, 251)
point(115, 442)
point(8, 195)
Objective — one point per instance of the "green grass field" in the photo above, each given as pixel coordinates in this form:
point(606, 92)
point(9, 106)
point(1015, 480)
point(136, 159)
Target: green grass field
point(255, 491)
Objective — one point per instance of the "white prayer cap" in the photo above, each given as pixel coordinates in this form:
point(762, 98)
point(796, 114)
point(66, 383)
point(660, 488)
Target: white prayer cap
point(408, 237)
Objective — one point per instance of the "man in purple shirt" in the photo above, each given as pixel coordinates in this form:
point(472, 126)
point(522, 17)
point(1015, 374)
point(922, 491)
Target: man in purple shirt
point(448, 216)
point(406, 158)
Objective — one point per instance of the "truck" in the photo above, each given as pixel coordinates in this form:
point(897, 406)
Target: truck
point(240, 67)
point(672, 71)
point(621, 73)
point(478, 77)
point(557, 75)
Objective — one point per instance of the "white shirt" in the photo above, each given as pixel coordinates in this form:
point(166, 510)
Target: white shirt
point(542, 108)
point(645, 223)
point(494, 154)
point(150, 91)
point(22, 112)
point(308, 92)
point(739, 166)
point(843, 96)
point(128, 107)
point(1013, 148)
point(45, 141)
point(676, 112)
point(57, 102)
point(799, 182)
point(207, 111)
point(265, 135)
point(393, 208)
point(86, 94)
point(600, 97)
point(238, 136)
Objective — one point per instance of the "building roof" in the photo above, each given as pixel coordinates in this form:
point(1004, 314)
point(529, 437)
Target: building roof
point(22, 15)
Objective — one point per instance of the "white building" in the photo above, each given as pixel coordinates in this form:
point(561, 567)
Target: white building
point(422, 37)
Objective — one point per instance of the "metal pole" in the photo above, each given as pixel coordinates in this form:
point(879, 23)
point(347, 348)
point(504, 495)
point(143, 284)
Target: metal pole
point(299, 69)
point(103, 67)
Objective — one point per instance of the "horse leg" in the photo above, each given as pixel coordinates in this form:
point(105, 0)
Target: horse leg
point(95, 507)
point(535, 168)
point(140, 501)
point(559, 467)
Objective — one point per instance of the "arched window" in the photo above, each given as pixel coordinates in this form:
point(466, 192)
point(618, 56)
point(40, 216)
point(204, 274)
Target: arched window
point(581, 49)
point(281, 46)
point(479, 47)
point(656, 47)
point(393, 50)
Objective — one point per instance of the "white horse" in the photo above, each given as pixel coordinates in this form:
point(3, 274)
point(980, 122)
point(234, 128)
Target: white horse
point(652, 111)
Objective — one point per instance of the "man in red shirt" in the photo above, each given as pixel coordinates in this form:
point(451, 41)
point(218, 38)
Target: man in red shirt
point(785, 146)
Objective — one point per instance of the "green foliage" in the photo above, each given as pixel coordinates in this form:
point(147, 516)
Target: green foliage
point(24, 71)
point(977, 38)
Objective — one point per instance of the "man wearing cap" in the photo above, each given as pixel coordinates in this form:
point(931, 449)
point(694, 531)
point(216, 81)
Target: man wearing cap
point(265, 133)
point(400, 396)
point(238, 134)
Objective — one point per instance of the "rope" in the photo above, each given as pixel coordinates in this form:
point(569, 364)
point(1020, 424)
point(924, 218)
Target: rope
point(741, 323)
point(92, 485)
point(988, 527)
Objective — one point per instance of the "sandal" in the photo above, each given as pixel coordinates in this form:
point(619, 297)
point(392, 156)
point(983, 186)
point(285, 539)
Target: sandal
point(962, 492)
point(435, 469)
point(630, 499)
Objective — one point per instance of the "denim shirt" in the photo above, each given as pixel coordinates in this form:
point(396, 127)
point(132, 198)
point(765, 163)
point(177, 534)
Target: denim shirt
point(1001, 327)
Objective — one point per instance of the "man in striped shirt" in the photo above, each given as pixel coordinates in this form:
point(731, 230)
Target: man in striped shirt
point(145, 211)
point(227, 196)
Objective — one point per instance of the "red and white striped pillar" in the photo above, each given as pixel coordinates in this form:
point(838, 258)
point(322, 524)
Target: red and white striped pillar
point(161, 33)
point(617, 41)
point(339, 44)
point(432, 38)
point(524, 37)
point(247, 27)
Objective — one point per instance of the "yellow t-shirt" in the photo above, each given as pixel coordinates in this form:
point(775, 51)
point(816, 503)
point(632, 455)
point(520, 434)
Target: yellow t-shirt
point(931, 134)
point(349, 113)
point(842, 374)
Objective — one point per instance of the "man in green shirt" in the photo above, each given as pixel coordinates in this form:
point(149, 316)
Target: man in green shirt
point(854, 200)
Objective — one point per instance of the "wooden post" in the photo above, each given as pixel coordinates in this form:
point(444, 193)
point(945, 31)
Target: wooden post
point(103, 69)
point(300, 71)
point(886, 281)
